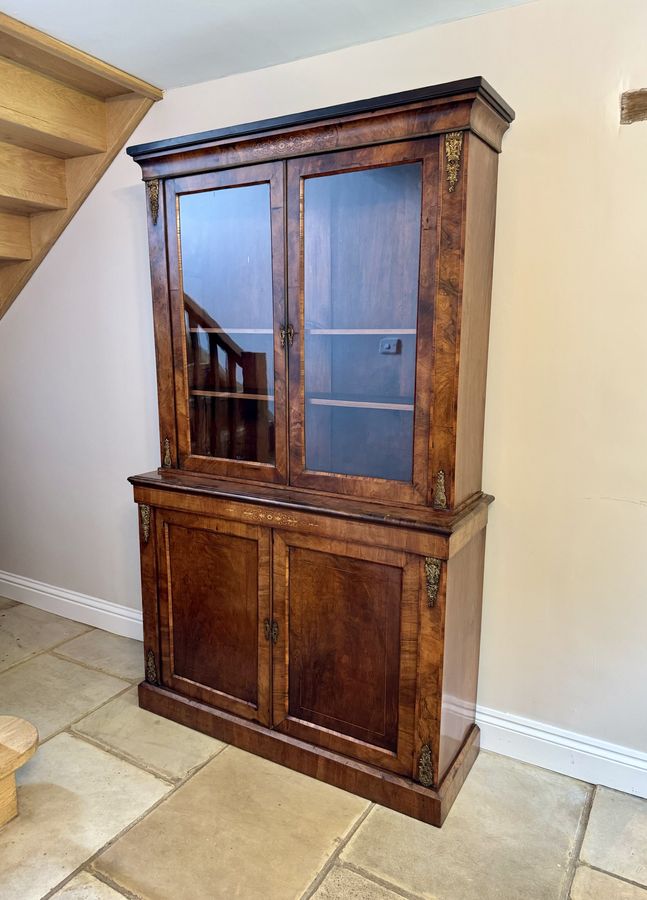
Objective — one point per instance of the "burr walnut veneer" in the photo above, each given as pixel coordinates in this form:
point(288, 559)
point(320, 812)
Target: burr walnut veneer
point(312, 544)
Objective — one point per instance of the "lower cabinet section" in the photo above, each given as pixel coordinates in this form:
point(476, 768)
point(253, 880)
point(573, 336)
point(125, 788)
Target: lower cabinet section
point(322, 653)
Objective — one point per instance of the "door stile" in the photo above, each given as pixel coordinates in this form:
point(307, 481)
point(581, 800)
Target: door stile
point(264, 613)
point(280, 615)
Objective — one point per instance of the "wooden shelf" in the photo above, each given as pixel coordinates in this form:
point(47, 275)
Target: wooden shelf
point(359, 404)
point(360, 330)
point(324, 331)
point(234, 395)
point(233, 330)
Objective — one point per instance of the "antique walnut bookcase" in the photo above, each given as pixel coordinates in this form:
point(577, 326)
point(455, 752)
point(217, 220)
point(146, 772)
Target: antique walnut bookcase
point(312, 544)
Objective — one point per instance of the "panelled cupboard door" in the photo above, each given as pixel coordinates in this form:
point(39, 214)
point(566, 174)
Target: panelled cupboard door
point(344, 663)
point(226, 257)
point(214, 612)
point(362, 235)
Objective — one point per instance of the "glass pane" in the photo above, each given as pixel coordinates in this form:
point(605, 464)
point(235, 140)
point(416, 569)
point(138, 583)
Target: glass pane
point(361, 264)
point(226, 259)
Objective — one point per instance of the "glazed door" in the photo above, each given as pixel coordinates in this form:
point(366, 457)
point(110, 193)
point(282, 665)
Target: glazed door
point(214, 612)
point(344, 662)
point(226, 278)
point(361, 260)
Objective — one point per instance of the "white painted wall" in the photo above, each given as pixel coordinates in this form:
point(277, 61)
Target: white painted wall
point(565, 621)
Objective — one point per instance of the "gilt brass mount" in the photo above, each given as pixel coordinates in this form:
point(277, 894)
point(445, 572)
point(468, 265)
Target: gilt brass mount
point(167, 462)
point(440, 495)
point(153, 188)
point(145, 517)
point(453, 149)
point(151, 668)
point(432, 573)
point(426, 767)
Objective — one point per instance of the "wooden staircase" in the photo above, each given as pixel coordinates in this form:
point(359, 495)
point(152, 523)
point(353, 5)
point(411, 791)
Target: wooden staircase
point(64, 116)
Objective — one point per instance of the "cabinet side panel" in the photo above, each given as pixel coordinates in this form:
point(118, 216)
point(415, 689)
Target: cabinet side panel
point(163, 335)
point(462, 645)
point(475, 316)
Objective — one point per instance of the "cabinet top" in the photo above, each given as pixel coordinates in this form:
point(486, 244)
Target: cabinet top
point(476, 86)
point(282, 497)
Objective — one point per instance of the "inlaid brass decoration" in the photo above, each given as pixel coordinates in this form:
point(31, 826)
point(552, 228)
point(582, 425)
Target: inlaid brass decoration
point(273, 518)
point(153, 188)
point(432, 573)
point(283, 146)
point(426, 767)
point(151, 668)
point(453, 149)
point(167, 462)
point(440, 496)
point(145, 516)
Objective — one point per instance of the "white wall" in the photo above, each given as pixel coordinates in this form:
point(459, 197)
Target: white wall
point(565, 619)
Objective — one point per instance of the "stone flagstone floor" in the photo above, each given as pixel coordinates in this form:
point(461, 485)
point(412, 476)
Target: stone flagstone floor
point(120, 803)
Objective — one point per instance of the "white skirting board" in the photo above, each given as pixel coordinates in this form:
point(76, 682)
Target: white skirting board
point(567, 752)
point(588, 759)
point(71, 605)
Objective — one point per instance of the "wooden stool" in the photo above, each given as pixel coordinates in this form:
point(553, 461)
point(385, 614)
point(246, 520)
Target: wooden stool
point(18, 740)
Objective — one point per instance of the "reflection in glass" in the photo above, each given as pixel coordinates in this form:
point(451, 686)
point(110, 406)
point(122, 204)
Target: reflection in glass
point(226, 259)
point(361, 263)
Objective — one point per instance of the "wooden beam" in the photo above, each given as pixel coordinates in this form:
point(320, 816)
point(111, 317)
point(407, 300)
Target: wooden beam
point(64, 116)
point(15, 238)
point(123, 114)
point(45, 54)
point(44, 115)
point(30, 182)
point(633, 106)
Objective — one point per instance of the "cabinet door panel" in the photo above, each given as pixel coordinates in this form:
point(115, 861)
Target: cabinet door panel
point(226, 276)
point(345, 660)
point(362, 230)
point(214, 600)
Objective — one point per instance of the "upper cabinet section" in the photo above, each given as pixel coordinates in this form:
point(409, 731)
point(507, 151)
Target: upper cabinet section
point(321, 288)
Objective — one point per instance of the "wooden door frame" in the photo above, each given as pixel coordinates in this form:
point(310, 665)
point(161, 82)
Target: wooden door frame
point(262, 536)
point(401, 760)
point(425, 151)
point(272, 173)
